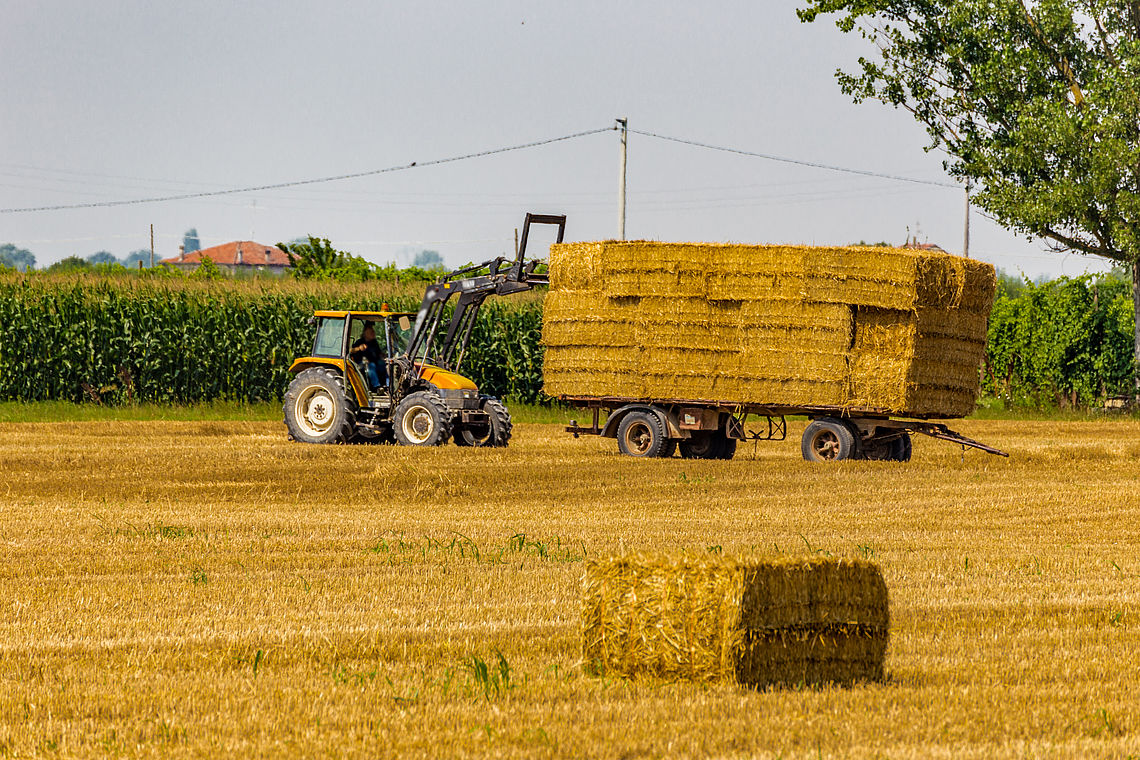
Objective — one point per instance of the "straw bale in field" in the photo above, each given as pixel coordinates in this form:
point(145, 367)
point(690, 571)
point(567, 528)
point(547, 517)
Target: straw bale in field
point(756, 620)
point(882, 329)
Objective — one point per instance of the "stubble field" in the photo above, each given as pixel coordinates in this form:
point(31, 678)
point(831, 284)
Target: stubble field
point(207, 589)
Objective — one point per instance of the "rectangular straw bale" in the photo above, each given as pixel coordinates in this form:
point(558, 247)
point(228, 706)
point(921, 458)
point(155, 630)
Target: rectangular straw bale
point(771, 363)
point(952, 323)
point(641, 256)
point(572, 265)
point(752, 259)
point(579, 382)
point(980, 288)
point(692, 335)
point(596, 358)
point(660, 284)
point(685, 310)
point(890, 265)
point(575, 305)
point(790, 392)
point(730, 286)
point(758, 621)
point(950, 374)
point(930, 401)
point(594, 332)
point(796, 339)
point(881, 354)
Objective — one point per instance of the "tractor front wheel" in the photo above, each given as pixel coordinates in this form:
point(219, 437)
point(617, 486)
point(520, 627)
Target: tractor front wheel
point(497, 431)
point(422, 419)
point(317, 410)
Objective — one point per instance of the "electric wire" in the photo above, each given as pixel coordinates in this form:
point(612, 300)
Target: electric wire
point(312, 181)
point(796, 161)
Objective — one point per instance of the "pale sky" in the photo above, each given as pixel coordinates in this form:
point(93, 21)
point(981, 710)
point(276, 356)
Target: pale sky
point(117, 100)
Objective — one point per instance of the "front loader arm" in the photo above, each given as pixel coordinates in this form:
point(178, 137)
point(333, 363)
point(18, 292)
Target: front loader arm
point(482, 280)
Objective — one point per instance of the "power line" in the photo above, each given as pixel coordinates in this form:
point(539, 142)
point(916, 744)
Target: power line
point(318, 180)
point(796, 161)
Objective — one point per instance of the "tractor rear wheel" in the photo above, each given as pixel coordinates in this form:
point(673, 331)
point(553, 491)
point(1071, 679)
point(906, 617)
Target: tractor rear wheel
point(422, 419)
point(642, 434)
point(497, 431)
point(317, 410)
point(828, 440)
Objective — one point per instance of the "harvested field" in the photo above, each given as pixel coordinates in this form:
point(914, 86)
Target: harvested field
point(206, 589)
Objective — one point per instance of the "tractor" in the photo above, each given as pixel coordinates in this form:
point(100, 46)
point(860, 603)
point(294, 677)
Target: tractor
point(422, 399)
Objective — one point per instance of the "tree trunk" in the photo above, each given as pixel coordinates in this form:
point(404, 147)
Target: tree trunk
point(1136, 328)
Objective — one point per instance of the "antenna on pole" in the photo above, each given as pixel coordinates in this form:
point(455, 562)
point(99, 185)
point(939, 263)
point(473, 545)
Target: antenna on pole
point(966, 230)
point(624, 126)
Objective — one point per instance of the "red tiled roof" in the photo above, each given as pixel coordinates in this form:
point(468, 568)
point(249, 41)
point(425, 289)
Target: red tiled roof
point(252, 254)
point(925, 247)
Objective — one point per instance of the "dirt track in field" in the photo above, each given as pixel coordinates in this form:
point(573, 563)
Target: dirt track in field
point(183, 588)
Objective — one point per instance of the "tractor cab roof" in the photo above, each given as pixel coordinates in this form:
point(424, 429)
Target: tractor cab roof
point(374, 315)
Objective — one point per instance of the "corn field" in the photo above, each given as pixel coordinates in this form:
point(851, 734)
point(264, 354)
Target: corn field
point(118, 340)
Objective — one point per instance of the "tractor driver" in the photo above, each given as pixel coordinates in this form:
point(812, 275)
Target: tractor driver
point(369, 348)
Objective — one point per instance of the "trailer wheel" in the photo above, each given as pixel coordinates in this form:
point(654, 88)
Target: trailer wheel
point(642, 435)
point(900, 449)
point(828, 440)
point(708, 445)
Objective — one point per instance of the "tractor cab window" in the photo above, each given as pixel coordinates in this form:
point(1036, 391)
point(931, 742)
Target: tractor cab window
point(398, 335)
point(330, 338)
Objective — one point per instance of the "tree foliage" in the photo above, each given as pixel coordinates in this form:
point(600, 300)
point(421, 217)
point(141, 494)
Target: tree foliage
point(1035, 102)
point(103, 257)
point(16, 258)
point(426, 259)
point(317, 259)
point(70, 264)
point(1065, 341)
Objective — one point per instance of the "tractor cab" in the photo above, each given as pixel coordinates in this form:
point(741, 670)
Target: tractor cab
point(338, 333)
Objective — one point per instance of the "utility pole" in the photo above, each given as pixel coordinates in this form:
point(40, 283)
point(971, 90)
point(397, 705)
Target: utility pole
point(966, 231)
point(624, 126)
point(152, 246)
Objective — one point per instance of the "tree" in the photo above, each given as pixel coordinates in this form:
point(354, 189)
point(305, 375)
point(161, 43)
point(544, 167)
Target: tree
point(190, 242)
point(70, 264)
point(428, 260)
point(103, 257)
point(1035, 102)
point(318, 260)
point(132, 259)
point(20, 258)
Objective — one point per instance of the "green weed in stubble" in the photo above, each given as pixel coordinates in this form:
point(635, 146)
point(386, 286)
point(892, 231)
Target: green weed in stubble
point(398, 550)
point(493, 679)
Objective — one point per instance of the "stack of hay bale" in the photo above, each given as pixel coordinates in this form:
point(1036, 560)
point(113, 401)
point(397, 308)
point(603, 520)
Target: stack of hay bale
point(890, 330)
point(758, 621)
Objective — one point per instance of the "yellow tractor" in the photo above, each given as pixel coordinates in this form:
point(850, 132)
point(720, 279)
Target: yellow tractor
point(412, 394)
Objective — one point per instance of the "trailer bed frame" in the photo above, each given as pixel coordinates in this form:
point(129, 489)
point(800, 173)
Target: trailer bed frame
point(775, 415)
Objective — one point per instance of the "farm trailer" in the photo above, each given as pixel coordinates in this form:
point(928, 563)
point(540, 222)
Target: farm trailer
point(712, 429)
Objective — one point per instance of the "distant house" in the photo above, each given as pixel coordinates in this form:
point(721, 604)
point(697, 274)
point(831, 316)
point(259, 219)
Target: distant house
point(931, 247)
point(238, 256)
